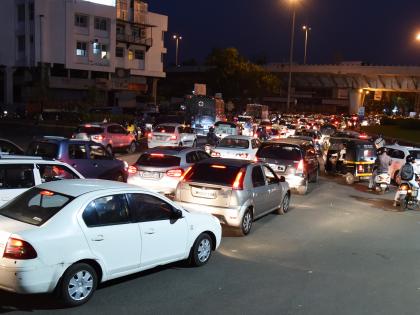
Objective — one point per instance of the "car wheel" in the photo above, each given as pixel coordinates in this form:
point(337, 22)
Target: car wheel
point(403, 203)
point(201, 250)
point(302, 190)
point(78, 284)
point(109, 149)
point(246, 223)
point(132, 148)
point(285, 203)
point(349, 179)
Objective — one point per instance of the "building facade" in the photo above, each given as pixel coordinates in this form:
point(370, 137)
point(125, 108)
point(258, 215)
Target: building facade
point(76, 52)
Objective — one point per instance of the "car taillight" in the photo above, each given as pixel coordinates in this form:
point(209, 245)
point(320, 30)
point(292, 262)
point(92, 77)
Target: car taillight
point(238, 184)
point(173, 137)
point(18, 249)
point(300, 167)
point(215, 154)
point(132, 170)
point(185, 174)
point(98, 138)
point(175, 172)
point(149, 135)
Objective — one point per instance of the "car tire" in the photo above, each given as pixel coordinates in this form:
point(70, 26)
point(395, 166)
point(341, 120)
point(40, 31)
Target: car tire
point(132, 147)
point(109, 149)
point(349, 178)
point(285, 203)
point(201, 251)
point(78, 284)
point(302, 190)
point(246, 222)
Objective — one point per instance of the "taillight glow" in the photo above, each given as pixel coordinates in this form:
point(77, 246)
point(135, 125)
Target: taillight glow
point(150, 135)
point(98, 138)
point(215, 154)
point(363, 136)
point(175, 172)
point(185, 173)
point(360, 168)
point(218, 166)
point(300, 167)
point(46, 193)
point(173, 137)
point(238, 184)
point(157, 155)
point(18, 249)
point(132, 170)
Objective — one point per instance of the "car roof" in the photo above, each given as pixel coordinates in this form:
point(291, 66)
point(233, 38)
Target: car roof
point(239, 137)
point(22, 159)
point(227, 162)
point(77, 187)
point(398, 146)
point(171, 150)
point(55, 139)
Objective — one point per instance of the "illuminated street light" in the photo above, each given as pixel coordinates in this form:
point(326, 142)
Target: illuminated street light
point(418, 36)
point(177, 39)
point(293, 4)
point(306, 29)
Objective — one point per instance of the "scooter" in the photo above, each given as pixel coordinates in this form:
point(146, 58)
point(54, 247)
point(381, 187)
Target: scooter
point(382, 182)
point(408, 196)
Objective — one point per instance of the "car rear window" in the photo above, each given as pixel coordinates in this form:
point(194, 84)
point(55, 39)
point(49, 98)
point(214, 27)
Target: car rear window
point(35, 206)
point(213, 174)
point(415, 153)
point(44, 149)
point(234, 143)
point(89, 130)
point(158, 160)
point(280, 152)
point(164, 129)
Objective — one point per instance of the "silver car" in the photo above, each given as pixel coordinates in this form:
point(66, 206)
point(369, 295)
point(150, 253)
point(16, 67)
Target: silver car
point(111, 136)
point(160, 169)
point(235, 191)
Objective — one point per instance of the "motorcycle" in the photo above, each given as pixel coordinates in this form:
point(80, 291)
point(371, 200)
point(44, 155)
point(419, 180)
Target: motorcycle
point(382, 182)
point(408, 196)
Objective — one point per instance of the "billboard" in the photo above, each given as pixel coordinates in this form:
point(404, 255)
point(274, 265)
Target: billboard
point(104, 2)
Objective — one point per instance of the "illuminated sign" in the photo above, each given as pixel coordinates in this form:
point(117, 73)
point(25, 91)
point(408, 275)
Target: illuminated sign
point(104, 2)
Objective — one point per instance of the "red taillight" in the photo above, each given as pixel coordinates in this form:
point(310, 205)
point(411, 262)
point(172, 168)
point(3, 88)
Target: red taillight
point(363, 136)
point(98, 138)
point(300, 167)
point(149, 135)
point(157, 155)
point(18, 249)
point(173, 137)
point(46, 193)
point(175, 173)
point(215, 154)
point(132, 170)
point(238, 184)
point(185, 173)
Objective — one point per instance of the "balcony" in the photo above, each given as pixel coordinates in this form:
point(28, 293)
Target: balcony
point(130, 39)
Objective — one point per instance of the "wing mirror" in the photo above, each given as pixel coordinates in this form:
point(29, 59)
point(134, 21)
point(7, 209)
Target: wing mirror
point(176, 214)
point(282, 179)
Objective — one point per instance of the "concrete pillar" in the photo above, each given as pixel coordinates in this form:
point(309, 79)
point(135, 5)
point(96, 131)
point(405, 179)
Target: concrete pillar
point(8, 85)
point(355, 98)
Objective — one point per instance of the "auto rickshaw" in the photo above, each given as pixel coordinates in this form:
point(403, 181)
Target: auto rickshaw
point(359, 160)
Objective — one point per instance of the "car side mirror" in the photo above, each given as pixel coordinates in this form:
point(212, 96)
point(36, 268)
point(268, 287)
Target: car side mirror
point(282, 179)
point(176, 214)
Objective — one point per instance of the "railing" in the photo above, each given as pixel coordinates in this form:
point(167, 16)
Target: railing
point(135, 40)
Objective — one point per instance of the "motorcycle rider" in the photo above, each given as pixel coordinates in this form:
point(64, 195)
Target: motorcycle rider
point(407, 175)
point(382, 163)
point(212, 138)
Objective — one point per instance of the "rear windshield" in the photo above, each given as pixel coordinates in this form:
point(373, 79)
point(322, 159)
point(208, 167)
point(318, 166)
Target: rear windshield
point(164, 129)
point(89, 130)
point(44, 149)
point(158, 160)
point(280, 152)
point(367, 151)
point(213, 174)
point(415, 153)
point(35, 206)
point(234, 143)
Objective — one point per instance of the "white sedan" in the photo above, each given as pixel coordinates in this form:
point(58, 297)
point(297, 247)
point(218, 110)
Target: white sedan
point(237, 147)
point(68, 236)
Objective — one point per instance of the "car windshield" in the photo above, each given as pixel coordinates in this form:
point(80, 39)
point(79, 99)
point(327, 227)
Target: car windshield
point(158, 160)
point(415, 153)
point(35, 206)
point(89, 130)
point(213, 174)
point(280, 152)
point(234, 143)
point(164, 129)
point(44, 149)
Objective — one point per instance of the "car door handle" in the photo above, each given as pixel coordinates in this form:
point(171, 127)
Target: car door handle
point(98, 238)
point(150, 231)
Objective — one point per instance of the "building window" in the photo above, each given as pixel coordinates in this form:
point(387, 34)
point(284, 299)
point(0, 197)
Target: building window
point(81, 49)
point(130, 55)
point(139, 54)
point(21, 43)
point(21, 12)
point(120, 29)
point(101, 23)
point(81, 20)
point(104, 52)
point(31, 11)
point(135, 32)
point(119, 52)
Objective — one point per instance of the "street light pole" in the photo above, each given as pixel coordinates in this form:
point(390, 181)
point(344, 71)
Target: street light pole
point(306, 29)
point(292, 41)
point(177, 39)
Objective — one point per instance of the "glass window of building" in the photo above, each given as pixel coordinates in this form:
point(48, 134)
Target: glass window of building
point(81, 49)
point(80, 20)
point(139, 54)
point(21, 12)
point(119, 52)
point(101, 23)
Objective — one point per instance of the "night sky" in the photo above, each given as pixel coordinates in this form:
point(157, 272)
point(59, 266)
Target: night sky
point(374, 31)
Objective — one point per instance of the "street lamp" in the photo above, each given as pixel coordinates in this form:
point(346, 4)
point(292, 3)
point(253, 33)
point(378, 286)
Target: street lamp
point(292, 41)
point(177, 39)
point(418, 37)
point(306, 29)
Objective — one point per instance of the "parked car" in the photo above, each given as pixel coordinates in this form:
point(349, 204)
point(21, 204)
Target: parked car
point(90, 158)
point(172, 134)
point(108, 230)
point(295, 159)
point(237, 147)
point(8, 147)
point(112, 136)
point(160, 169)
point(398, 153)
point(235, 191)
point(19, 173)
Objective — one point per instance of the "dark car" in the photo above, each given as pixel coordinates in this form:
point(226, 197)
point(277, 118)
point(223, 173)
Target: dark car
point(91, 159)
point(8, 147)
point(295, 159)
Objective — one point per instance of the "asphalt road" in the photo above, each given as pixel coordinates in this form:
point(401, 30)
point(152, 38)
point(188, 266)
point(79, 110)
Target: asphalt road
point(340, 250)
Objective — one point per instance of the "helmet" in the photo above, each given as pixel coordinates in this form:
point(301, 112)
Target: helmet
point(380, 151)
point(410, 159)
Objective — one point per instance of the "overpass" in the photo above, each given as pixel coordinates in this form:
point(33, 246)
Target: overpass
point(350, 82)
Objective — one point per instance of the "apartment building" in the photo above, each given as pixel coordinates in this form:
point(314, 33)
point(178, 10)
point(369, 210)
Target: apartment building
point(69, 50)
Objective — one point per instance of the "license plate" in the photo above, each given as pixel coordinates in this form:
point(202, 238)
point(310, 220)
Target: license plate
point(150, 175)
point(203, 193)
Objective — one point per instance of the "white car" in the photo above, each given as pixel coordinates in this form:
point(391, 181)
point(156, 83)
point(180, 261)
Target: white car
point(69, 236)
point(172, 134)
point(237, 147)
point(398, 153)
point(18, 173)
